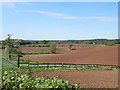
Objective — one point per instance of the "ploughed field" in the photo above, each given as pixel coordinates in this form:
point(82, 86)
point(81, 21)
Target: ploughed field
point(86, 78)
point(81, 54)
point(61, 48)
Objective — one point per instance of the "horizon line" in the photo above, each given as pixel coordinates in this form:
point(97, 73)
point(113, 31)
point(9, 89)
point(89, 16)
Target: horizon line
point(64, 39)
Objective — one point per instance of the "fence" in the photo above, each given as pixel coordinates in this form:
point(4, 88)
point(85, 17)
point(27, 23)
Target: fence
point(64, 65)
point(24, 64)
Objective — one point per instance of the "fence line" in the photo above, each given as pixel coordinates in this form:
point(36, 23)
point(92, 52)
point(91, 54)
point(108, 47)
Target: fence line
point(62, 65)
point(69, 65)
point(65, 64)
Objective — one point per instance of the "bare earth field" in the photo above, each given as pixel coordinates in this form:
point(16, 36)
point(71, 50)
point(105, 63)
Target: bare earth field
point(61, 48)
point(82, 55)
point(86, 78)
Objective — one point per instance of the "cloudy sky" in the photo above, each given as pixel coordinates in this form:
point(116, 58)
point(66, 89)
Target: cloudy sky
point(60, 20)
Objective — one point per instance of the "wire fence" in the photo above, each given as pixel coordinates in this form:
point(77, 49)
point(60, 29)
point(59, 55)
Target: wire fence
point(23, 64)
point(64, 65)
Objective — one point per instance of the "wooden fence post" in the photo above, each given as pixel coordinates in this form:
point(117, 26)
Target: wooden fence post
point(47, 65)
point(62, 65)
point(18, 61)
point(76, 66)
point(28, 64)
point(69, 65)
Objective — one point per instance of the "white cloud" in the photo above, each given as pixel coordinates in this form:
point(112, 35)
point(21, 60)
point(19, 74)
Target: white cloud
point(63, 16)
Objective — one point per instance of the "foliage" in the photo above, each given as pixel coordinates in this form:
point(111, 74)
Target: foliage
point(109, 43)
point(13, 80)
point(87, 42)
point(12, 47)
point(47, 45)
point(45, 41)
point(33, 53)
point(28, 60)
point(24, 42)
point(70, 46)
point(53, 48)
point(21, 60)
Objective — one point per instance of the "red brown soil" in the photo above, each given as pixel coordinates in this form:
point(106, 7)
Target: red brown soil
point(43, 49)
point(61, 48)
point(86, 78)
point(35, 49)
point(0, 50)
point(82, 55)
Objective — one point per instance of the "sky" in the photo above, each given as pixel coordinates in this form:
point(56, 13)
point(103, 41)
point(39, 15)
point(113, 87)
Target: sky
point(60, 20)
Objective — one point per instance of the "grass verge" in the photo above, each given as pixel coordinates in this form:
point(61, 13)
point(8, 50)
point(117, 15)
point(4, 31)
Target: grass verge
point(33, 53)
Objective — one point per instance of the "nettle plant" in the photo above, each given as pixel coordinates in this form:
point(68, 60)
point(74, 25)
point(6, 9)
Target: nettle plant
point(13, 80)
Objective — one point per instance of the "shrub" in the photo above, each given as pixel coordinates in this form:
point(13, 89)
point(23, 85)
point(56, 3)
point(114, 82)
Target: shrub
point(53, 48)
point(39, 45)
point(46, 62)
point(27, 60)
point(43, 46)
point(109, 43)
point(87, 42)
point(70, 46)
point(34, 45)
point(12, 80)
point(47, 45)
point(22, 60)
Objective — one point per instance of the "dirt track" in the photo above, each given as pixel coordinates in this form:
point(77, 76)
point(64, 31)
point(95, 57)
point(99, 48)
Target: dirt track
point(82, 55)
point(86, 78)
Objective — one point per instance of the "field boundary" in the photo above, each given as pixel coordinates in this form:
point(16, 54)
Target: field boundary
point(65, 65)
point(48, 65)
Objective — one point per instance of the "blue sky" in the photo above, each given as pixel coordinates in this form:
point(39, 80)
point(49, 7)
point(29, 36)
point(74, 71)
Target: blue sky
point(60, 20)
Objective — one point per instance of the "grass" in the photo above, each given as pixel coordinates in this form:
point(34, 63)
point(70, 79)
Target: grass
point(33, 53)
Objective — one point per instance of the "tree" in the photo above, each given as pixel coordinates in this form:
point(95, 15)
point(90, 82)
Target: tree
point(70, 46)
point(53, 48)
point(12, 47)
point(45, 41)
point(7, 49)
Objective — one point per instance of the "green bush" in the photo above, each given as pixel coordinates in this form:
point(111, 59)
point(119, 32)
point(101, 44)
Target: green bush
point(70, 46)
point(53, 48)
point(22, 60)
point(39, 45)
point(33, 53)
point(47, 45)
point(109, 43)
point(46, 62)
point(87, 42)
point(12, 80)
point(27, 60)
